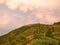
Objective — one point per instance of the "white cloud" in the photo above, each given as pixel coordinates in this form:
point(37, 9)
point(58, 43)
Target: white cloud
point(25, 5)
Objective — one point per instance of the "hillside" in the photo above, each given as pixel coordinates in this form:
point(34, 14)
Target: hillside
point(33, 34)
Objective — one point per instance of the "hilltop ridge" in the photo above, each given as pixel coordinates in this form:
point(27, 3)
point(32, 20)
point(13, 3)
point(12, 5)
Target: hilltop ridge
point(33, 34)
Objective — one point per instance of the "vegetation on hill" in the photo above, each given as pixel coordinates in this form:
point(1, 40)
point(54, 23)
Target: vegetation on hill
point(33, 34)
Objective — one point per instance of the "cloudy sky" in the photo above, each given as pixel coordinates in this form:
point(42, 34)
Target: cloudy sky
point(16, 13)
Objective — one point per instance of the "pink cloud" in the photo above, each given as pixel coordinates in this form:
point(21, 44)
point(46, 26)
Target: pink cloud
point(8, 19)
point(45, 16)
point(25, 5)
point(33, 11)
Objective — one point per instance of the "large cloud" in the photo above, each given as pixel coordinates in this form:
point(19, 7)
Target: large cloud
point(25, 5)
point(16, 13)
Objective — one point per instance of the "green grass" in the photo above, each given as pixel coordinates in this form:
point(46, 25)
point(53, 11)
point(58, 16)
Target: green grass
point(33, 34)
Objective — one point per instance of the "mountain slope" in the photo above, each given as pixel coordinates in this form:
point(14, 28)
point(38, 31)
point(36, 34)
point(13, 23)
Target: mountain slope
point(33, 34)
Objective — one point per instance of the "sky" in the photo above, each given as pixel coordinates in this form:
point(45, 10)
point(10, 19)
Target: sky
point(17, 13)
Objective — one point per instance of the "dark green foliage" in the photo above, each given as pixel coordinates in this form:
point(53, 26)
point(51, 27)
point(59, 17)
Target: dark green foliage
point(33, 34)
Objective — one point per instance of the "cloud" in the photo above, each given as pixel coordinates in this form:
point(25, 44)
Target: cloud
point(1, 1)
point(3, 18)
point(25, 5)
point(21, 12)
point(12, 4)
point(48, 17)
point(9, 20)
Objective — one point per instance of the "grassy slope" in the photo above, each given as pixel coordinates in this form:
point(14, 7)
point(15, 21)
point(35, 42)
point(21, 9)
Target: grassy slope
point(33, 34)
